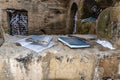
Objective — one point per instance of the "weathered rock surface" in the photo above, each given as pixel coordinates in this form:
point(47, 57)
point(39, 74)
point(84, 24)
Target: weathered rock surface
point(58, 62)
point(45, 15)
point(48, 16)
point(108, 25)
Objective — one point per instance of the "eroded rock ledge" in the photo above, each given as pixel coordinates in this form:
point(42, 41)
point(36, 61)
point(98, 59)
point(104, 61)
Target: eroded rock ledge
point(57, 63)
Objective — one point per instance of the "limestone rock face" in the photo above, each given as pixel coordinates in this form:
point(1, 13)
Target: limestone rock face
point(108, 67)
point(43, 15)
point(58, 62)
point(1, 38)
point(48, 16)
point(49, 67)
point(72, 67)
point(117, 3)
point(1, 30)
point(2, 70)
point(108, 25)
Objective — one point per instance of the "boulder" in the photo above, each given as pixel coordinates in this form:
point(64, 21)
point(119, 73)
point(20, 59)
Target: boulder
point(108, 25)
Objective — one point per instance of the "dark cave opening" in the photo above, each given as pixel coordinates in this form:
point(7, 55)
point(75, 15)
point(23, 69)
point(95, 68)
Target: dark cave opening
point(73, 18)
point(18, 21)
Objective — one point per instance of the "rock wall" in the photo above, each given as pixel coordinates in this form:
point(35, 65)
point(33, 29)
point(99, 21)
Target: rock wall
point(43, 15)
point(55, 67)
point(1, 30)
point(58, 63)
point(74, 66)
point(47, 16)
point(24, 68)
point(108, 25)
